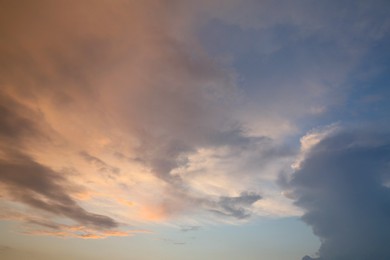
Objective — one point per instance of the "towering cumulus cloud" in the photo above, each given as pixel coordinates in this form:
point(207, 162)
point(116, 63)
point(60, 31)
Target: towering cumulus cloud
point(343, 186)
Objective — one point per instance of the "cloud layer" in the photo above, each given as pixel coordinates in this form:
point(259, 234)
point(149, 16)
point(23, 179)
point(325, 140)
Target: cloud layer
point(114, 108)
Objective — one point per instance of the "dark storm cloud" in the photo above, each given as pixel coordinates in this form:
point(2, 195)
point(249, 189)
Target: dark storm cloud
point(343, 187)
point(41, 188)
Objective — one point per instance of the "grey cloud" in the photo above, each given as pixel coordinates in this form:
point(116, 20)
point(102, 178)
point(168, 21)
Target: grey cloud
point(236, 137)
point(16, 121)
point(178, 200)
point(341, 186)
point(45, 224)
point(30, 182)
point(237, 207)
point(173, 242)
point(306, 257)
point(41, 188)
point(164, 155)
point(102, 165)
point(190, 228)
point(13, 126)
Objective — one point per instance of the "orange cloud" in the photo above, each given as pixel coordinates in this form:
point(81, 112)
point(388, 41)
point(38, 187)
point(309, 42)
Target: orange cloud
point(154, 213)
point(104, 107)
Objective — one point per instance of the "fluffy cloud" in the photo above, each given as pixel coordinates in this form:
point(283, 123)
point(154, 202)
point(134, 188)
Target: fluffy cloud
point(342, 186)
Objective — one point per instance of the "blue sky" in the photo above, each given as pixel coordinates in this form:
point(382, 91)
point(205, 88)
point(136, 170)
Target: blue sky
point(220, 242)
point(194, 129)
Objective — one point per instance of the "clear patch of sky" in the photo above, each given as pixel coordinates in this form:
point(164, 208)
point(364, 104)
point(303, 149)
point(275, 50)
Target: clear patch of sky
point(270, 58)
point(281, 53)
point(367, 96)
point(271, 239)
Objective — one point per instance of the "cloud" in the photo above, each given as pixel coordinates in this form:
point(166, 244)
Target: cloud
point(47, 228)
point(342, 187)
point(41, 188)
point(310, 258)
point(190, 228)
point(85, 82)
point(125, 100)
point(237, 207)
point(24, 180)
point(104, 167)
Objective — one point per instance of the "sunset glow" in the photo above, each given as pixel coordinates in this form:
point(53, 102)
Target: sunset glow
point(217, 129)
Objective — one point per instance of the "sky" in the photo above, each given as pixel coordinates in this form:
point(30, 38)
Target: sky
point(219, 129)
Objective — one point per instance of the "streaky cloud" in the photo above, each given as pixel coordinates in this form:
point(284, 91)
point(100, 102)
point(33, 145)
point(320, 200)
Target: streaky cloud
point(40, 187)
